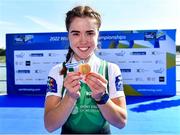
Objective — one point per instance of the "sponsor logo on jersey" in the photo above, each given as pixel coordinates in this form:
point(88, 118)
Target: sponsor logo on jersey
point(118, 82)
point(51, 85)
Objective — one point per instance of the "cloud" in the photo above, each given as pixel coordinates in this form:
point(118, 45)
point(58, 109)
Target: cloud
point(44, 23)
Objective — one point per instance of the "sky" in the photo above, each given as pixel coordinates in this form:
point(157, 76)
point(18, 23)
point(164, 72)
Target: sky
point(31, 16)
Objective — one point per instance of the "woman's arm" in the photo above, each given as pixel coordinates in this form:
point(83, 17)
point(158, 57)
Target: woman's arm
point(114, 111)
point(57, 111)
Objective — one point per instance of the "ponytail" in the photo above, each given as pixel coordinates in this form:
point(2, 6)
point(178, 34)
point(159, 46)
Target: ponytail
point(68, 56)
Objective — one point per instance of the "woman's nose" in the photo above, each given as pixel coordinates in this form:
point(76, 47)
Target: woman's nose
point(83, 38)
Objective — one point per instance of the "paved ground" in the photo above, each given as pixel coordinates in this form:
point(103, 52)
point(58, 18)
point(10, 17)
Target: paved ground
point(146, 115)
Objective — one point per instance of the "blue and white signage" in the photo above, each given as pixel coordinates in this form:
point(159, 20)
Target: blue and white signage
point(146, 59)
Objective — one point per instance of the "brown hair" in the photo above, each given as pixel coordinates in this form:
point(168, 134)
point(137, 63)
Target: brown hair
point(82, 12)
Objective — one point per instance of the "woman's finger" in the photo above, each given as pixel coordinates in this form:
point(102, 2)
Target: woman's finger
point(98, 76)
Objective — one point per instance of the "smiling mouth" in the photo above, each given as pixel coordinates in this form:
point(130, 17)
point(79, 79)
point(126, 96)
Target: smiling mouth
point(83, 49)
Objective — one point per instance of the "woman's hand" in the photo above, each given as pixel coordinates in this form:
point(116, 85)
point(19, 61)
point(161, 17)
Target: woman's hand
point(97, 83)
point(72, 84)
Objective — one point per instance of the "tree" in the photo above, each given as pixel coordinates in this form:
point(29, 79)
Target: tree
point(2, 52)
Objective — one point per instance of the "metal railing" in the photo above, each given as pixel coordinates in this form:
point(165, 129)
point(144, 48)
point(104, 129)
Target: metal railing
point(3, 85)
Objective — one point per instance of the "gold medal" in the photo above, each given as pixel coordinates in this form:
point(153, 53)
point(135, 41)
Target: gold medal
point(84, 69)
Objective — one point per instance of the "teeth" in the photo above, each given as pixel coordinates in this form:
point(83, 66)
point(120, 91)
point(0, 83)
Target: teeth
point(83, 48)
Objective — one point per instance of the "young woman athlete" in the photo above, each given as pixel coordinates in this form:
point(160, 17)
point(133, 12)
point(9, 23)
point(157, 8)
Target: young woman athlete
point(87, 106)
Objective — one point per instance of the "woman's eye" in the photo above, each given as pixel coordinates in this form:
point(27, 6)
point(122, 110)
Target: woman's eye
point(90, 33)
point(75, 34)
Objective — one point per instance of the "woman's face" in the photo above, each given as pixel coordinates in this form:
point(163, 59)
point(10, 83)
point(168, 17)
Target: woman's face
point(83, 37)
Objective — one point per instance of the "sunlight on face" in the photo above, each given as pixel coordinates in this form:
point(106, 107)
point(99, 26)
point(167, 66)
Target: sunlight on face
point(83, 37)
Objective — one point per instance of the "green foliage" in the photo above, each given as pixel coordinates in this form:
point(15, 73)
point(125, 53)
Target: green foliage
point(2, 59)
point(2, 52)
point(177, 48)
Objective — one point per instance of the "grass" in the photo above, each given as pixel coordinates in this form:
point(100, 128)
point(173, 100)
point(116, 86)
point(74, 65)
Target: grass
point(2, 59)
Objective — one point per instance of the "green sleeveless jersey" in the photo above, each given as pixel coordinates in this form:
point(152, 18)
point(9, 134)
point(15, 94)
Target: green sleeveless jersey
point(86, 116)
